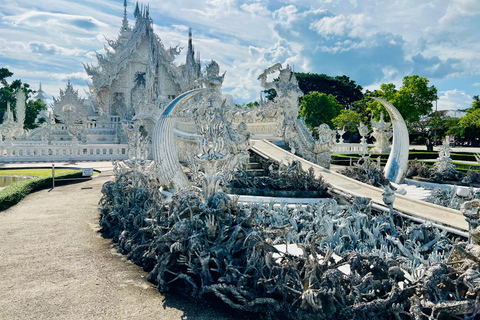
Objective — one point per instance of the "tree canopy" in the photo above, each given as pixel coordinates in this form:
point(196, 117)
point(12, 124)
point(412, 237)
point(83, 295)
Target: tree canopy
point(413, 100)
point(345, 90)
point(8, 93)
point(470, 123)
point(347, 119)
point(318, 108)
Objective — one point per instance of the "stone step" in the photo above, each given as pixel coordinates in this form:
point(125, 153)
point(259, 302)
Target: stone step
point(257, 172)
point(254, 165)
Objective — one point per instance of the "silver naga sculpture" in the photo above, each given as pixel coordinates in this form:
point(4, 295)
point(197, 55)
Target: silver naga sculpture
point(210, 164)
point(382, 133)
point(221, 149)
point(218, 138)
point(11, 128)
point(294, 131)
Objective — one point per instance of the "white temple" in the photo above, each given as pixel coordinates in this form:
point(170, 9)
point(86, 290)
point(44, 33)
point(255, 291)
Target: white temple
point(137, 76)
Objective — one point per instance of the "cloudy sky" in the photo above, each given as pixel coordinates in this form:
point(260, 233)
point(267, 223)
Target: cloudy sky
point(371, 41)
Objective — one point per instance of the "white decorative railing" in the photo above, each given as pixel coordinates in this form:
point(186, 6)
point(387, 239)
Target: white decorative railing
point(350, 148)
point(23, 152)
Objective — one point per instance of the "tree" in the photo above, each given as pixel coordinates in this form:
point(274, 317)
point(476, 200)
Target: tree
point(470, 123)
point(431, 128)
point(318, 108)
point(413, 100)
point(8, 94)
point(345, 90)
point(347, 119)
point(475, 104)
point(253, 104)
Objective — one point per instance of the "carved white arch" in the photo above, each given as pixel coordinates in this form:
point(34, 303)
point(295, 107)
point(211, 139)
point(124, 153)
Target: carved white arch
point(397, 163)
point(164, 151)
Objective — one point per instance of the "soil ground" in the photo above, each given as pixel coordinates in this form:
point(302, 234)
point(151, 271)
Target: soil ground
point(54, 264)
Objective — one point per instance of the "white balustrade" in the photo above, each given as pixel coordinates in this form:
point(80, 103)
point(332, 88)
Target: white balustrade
point(350, 148)
point(24, 152)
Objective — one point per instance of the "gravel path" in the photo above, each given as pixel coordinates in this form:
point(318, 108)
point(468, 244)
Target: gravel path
point(55, 265)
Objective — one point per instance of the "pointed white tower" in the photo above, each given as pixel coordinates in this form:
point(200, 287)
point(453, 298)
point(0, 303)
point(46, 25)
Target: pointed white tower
point(40, 95)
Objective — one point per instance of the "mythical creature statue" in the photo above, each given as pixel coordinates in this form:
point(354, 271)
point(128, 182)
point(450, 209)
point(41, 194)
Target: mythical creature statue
point(295, 132)
point(288, 92)
point(213, 81)
point(324, 145)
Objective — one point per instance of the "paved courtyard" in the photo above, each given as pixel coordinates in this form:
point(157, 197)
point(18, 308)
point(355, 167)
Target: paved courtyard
point(54, 264)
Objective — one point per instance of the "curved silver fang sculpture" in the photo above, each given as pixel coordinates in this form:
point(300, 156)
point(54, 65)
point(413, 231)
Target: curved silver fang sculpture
point(397, 163)
point(164, 151)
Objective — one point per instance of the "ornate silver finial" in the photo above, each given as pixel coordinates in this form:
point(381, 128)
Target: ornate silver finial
point(382, 133)
point(388, 199)
point(341, 132)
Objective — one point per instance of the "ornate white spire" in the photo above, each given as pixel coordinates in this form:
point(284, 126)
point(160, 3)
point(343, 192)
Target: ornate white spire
point(40, 94)
point(125, 20)
point(137, 13)
point(192, 68)
point(125, 28)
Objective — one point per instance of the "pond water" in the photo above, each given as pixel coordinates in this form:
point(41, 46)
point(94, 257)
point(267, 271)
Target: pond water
point(6, 180)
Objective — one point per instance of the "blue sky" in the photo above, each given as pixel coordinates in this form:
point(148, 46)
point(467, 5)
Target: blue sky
point(371, 41)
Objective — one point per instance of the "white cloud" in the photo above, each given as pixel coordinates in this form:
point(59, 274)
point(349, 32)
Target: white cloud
point(255, 9)
point(51, 49)
point(35, 19)
point(340, 25)
point(453, 100)
point(476, 84)
point(458, 9)
point(335, 26)
point(373, 41)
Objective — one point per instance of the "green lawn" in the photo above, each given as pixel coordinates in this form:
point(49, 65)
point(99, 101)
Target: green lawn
point(14, 193)
point(38, 172)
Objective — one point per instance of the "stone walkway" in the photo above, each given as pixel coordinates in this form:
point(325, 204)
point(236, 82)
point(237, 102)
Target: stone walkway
point(55, 265)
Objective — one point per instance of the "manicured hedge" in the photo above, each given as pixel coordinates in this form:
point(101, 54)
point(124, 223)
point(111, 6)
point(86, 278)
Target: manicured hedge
point(14, 193)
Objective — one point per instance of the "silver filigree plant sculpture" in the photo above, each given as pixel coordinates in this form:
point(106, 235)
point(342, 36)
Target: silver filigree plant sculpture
point(209, 165)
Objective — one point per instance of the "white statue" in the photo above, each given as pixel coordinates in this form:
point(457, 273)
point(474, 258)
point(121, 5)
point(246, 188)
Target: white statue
point(382, 134)
point(341, 132)
point(363, 130)
point(324, 145)
point(11, 128)
point(443, 162)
